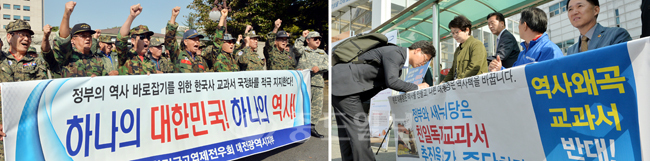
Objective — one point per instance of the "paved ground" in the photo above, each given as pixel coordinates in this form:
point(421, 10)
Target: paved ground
point(384, 155)
point(313, 149)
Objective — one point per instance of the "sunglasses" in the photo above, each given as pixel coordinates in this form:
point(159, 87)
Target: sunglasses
point(142, 36)
point(315, 39)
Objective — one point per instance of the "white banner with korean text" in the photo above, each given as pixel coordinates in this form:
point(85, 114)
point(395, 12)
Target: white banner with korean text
point(193, 116)
point(588, 106)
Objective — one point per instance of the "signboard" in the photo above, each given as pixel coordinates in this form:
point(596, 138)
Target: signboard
point(194, 116)
point(552, 110)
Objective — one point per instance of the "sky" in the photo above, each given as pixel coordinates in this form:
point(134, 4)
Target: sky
point(102, 14)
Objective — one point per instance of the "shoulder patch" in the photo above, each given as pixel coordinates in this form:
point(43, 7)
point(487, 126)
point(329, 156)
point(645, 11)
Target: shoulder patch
point(240, 53)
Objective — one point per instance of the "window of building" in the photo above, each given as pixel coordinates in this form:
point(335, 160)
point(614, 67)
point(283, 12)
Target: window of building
point(557, 8)
point(17, 7)
point(26, 8)
point(16, 17)
point(6, 17)
point(4, 26)
point(618, 19)
point(6, 6)
point(26, 18)
point(565, 45)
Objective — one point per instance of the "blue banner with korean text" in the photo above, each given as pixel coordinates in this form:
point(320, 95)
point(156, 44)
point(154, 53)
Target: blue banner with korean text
point(198, 116)
point(589, 106)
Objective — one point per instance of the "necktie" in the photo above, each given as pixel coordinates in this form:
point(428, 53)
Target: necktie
point(584, 43)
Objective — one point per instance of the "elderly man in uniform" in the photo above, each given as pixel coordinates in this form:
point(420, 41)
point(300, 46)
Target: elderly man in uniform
point(17, 65)
point(72, 49)
point(248, 59)
point(276, 51)
point(225, 60)
point(185, 59)
point(315, 59)
point(135, 61)
point(111, 61)
point(160, 63)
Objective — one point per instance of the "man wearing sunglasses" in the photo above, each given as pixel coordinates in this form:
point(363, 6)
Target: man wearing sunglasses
point(275, 50)
point(220, 54)
point(315, 59)
point(249, 60)
point(72, 49)
point(184, 56)
point(135, 61)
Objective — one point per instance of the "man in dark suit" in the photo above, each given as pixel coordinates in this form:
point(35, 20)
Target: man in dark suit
point(507, 48)
point(582, 15)
point(355, 83)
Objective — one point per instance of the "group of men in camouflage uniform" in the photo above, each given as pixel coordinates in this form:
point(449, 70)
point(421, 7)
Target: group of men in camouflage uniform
point(82, 52)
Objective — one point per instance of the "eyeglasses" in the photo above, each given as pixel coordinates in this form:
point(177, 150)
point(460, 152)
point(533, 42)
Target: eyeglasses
point(142, 36)
point(23, 35)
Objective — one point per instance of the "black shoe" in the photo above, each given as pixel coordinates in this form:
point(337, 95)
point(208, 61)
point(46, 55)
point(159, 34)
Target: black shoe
point(315, 133)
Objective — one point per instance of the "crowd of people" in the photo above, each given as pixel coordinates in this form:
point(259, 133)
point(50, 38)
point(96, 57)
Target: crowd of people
point(81, 51)
point(353, 84)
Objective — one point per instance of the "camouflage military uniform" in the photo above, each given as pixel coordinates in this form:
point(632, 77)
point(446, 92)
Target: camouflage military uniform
point(130, 62)
point(250, 60)
point(277, 60)
point(111, 61)
point(309, 59)
point(184, 62)
point(216, 58)
point(53, 66)
point(74, 63)
point(28, 68)
point(163, 63)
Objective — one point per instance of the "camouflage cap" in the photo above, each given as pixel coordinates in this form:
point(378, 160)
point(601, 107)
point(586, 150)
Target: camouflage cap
point(228, 37)
point(141, 29)
point(313, 34)
point(251, 34)
point(105, 39)
point(282, 34)
point(19, 25)
point(155, 42)
point(31, 50)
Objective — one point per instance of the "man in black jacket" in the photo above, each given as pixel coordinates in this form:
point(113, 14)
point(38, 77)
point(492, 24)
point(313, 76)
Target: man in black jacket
point(354, 83)
point(507, 46)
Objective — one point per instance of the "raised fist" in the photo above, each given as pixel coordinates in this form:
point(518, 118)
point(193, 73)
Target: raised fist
point(278, 23)
point(175, 11)
point(47, 29)
point(69, 7)
point(136, 10)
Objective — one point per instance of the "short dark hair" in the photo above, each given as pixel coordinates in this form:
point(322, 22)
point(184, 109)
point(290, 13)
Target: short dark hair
point(462, 23)
point(425, 46)
point(592, 2)
point(535, 19)
point(500, 17)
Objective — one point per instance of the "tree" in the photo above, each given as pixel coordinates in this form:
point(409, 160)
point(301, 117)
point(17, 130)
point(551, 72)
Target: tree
point(55, 29)
point(190, 22)
point(296, 15)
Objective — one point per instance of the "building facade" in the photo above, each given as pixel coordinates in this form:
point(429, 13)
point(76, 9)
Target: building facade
point(613, 13)
point(28, 10)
